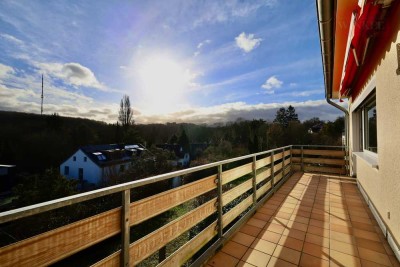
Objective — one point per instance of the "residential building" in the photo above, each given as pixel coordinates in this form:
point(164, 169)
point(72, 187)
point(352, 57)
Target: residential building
point(94, 164)
point(360, 43)
point(182, 157)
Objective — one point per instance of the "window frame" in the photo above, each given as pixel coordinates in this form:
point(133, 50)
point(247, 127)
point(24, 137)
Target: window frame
point(365, 107)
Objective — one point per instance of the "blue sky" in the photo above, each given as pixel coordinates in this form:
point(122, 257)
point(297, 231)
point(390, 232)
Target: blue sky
point(192, 61)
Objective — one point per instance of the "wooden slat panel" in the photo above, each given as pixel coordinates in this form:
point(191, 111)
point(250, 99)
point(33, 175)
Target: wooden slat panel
point(325, 169)
point(278, 167)
point(228, 217)
point(263, 189)
point(296, 160)
point(330, 153)
point(230, 195)
point(296, 151)
point(149, 244)
point(296, 167)
point(184, 253)
point(57, 244)
point(111, 261)
point(263, 175)
point(277, 177)
point(230, 175)
point(287, 161)
point(149, 207)
point(263, 162)
point(278, 156)
point(287, 153)
point(287, 170)
point(325, 161)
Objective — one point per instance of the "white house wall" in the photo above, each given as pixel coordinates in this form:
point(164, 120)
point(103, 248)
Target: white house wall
point(91, 172)
point(382, 183)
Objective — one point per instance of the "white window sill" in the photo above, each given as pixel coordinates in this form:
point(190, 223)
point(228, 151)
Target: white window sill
point(372, 161)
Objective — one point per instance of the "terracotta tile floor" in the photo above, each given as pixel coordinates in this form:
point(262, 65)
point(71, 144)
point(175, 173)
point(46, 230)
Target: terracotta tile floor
point(312, 220)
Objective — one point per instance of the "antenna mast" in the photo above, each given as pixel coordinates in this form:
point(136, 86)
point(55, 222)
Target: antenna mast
point(41, 107)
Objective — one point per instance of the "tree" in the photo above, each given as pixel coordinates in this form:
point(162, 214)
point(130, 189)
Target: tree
point(291, 114)
point(184, 141)
point(125, 112)
point(281, 117)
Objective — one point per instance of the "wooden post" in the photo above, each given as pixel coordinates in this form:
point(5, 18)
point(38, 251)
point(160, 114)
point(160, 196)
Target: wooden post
point(302, 157)
point(125, 227)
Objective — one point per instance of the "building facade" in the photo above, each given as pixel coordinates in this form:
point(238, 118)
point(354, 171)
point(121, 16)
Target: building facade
point(360, 43)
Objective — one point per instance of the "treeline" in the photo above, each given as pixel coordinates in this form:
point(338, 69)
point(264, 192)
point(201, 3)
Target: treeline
point(35, 143)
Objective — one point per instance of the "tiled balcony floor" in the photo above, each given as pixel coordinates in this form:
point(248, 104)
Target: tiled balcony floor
point(312, 220)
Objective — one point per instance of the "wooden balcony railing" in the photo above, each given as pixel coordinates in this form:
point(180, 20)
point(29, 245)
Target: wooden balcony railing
point(220, 202)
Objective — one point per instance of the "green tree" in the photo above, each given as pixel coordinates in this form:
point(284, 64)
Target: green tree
point(291, 114)
point(184, 141)
point(125, 112)
point(281, 117)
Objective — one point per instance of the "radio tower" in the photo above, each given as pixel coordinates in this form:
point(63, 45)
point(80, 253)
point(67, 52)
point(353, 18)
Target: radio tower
point(41, 107)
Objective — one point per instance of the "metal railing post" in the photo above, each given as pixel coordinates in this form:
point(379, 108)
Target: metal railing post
point(219, 203)
point(254, 180)
point(283, 163)
point(125, 227)
point(302, 158)
point(272, 171)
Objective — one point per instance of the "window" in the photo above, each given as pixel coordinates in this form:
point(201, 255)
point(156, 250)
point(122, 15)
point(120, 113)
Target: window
point(74, 158)
point(369, 126)
point(84, 159)
point(66, 170)
point(81, 174)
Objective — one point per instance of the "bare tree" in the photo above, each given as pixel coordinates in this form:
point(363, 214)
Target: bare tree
point(125, 112)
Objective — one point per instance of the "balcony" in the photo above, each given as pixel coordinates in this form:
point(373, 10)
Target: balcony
point(257, 209)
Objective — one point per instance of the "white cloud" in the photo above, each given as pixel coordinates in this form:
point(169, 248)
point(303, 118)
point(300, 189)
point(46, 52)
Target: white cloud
point(72, 73)
point(271, 83)
point(247, 42)
point(5, 70)
point(308, 93)
point(200, 45)
point(11, 38)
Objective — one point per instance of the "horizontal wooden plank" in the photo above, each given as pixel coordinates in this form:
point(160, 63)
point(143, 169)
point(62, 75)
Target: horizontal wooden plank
point(278, 156)
point(57, 244)
point(152, 242)
point(287, 152)
point(111, 261)
point(184, 253)
point(228, 217)
point(287, 170)
point(263, 189)
point(278, 167)
point(325, 161)
point(277, 177)
point(263, 162)
point(149, 207)
point(330, 153)
point(296, 159)
point(324, 169)
point(263, 175)
point(230, 195)
point(233, 174)
point(296, 151)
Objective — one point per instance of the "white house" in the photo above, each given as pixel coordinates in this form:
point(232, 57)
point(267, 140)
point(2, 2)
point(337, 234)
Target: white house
point(94, 164)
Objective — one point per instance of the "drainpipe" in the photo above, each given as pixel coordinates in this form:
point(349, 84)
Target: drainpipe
point(325, 14)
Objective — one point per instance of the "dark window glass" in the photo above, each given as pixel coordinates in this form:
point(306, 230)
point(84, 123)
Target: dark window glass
point(370, 126)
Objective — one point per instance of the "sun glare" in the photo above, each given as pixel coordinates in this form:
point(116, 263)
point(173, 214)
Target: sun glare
point(163, 83)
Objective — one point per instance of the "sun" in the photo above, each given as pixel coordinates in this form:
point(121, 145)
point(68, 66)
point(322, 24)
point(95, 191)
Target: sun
point(163, 83)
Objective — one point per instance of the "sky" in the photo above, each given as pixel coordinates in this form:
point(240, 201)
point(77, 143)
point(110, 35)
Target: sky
point(178, 60)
